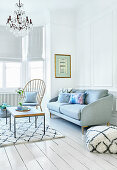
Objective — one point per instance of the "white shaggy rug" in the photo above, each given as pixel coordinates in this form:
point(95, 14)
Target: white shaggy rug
point(26, 132)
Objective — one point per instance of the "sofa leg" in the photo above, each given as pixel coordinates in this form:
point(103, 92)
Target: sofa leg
point(108, 124)
point(50, 115)
point(83, 129)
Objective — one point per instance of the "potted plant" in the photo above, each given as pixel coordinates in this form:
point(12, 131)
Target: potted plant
point(20, 92)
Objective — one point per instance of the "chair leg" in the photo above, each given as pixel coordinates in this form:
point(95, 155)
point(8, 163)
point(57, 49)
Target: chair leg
point(41, 108)
point(108, 124)
point(50, 115)
point(83, 129)
point(36, 107)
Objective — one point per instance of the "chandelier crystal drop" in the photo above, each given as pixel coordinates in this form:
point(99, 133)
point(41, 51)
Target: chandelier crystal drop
point(20, 25)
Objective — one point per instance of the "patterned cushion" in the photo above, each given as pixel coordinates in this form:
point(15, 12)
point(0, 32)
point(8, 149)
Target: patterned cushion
point(64, 97)
point(77, 98)
point(102, 139)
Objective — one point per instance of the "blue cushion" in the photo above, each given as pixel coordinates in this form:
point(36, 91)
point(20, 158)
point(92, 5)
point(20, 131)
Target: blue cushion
point(94, 95)
point(77, 98)
point(55, 106)
point(72, 110)
point(30, 97)
point(64, 97)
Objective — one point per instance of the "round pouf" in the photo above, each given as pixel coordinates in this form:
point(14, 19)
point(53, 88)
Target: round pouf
point(102, 139)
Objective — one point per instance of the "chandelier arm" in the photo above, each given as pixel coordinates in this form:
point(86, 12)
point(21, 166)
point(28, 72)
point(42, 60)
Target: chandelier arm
point(20, 24)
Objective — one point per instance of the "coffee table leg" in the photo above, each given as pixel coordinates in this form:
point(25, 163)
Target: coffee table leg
point(44, 124)
point(14, 128)
point(6, 116)
point(35, 121)
point(10, 122)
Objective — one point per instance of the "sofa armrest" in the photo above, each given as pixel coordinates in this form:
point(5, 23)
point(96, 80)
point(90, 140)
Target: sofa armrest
point(53, 99)
point(98, 112)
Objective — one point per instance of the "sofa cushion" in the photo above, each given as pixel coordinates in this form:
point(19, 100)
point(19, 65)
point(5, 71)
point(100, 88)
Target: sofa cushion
point(94, 95)
point(72, 110)
point(55, 106)
point(64, 97)
point(77, 98)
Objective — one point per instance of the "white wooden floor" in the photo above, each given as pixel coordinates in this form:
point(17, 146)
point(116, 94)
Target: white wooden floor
point(65, 154)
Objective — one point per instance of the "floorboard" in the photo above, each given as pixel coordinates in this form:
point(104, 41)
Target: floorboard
point(16, 163)
point(43, 160)
point(60, 154)
point(4, 161)
point(28, 158)
point(54, 157)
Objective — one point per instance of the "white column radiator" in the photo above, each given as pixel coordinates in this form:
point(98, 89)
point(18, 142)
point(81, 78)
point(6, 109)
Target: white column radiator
point(9, 98)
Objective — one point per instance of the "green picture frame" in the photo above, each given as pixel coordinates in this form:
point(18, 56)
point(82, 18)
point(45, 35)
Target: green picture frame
point(62, 66)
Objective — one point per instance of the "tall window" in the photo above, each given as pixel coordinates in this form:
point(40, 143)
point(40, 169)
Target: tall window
point(21, 59)
point(13, 75)
point(36, 70)
point(10, 75)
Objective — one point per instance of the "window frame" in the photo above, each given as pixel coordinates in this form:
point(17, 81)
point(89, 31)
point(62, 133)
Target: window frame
point(29, 69)
point(25, 75)
point(4, 87)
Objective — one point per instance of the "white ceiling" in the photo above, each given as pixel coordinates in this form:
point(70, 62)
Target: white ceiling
point(42, 5)
point(35, 5)
point(38, 10)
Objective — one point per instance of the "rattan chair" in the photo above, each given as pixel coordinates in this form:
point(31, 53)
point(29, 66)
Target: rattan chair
point(36, 85)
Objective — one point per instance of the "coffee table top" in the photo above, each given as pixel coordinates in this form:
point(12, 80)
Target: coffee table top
point(32, 112)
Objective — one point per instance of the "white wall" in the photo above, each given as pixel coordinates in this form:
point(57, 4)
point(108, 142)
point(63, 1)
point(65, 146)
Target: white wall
point(97, 46)
point(96, 50)
point(63, 41)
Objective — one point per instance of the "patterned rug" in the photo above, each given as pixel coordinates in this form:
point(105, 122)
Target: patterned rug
point(102, 139)
point(26, 132)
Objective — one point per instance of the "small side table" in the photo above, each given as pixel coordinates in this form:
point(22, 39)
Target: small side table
point(18, 114)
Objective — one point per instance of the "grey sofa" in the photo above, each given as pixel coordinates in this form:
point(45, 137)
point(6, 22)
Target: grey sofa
point(97, 109)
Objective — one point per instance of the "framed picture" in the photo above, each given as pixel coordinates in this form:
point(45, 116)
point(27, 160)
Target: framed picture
point(62, 66)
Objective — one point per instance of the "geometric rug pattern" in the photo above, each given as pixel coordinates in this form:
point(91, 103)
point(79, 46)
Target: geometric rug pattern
point(102, 139)
point(26, 132)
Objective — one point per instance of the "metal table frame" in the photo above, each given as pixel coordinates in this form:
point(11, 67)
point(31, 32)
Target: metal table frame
point(22, 117)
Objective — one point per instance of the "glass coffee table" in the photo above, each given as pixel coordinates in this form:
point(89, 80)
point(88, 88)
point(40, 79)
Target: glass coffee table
point(19, 114)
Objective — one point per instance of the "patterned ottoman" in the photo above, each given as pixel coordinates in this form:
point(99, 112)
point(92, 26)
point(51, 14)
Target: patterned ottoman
point(102, 139)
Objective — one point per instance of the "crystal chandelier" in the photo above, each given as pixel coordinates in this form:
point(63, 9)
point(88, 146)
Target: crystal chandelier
point(20, 24)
